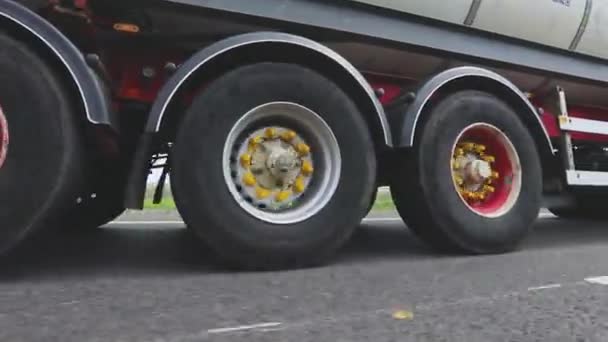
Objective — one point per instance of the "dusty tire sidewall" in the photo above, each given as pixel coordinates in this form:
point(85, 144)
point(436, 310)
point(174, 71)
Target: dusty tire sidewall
point(41, 159)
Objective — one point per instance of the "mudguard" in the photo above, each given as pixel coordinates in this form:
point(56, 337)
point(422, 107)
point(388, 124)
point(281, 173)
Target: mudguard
point(469, 75)
point(90, 90)
point(198, 62)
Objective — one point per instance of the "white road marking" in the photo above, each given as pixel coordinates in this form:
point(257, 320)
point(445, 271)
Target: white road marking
point(598, 280)
point(245, 327)
point(544, 287)
point(145, 222)
point(382, 219)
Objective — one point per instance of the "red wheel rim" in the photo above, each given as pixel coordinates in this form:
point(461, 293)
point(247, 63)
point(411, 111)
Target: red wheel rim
point(3, 138)
point(486, 170)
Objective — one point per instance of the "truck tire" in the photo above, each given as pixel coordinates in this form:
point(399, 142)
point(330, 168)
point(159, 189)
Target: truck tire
point(249, 135)
point(472, 182)
point(40, 144)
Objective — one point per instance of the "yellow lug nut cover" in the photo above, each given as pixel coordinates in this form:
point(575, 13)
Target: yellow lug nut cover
point(270, 132)
point(288, 135)
point(495, 174)
point(262, 193)
point(480, 148)
point(253, 142)
point(488, 188)
point(489, 159)
point(246, 160)
point(458, 180)
point(468, 146)
point(303, 149)
point(299, 185)
point(249, 179)
point(307, 168)
point(459, 152)
point(283, 195)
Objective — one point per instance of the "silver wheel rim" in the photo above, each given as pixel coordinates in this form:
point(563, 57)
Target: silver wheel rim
point(3, 138)
point(317, 171)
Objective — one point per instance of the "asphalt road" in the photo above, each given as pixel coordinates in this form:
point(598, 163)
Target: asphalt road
point(148, 282)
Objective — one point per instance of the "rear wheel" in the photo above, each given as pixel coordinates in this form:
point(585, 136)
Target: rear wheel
point(40, 150)
point(473, 180)
point(271, 167)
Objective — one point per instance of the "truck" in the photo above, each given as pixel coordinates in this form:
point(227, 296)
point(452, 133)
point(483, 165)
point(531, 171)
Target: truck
point(277, 120)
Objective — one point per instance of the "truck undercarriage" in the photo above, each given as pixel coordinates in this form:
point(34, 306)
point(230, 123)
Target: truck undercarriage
point(513, 120)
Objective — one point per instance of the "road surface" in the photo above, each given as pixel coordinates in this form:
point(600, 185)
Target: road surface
point(135, 281)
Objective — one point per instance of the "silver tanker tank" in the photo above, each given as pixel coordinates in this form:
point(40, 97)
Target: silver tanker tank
point(574, 26)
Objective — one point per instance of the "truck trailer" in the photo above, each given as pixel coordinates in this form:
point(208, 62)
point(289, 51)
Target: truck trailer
point(277, 120)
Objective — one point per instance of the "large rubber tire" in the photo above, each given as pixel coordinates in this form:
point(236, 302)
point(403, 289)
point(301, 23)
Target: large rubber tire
point(203, 197)
point(41, 172)
point(424, 192)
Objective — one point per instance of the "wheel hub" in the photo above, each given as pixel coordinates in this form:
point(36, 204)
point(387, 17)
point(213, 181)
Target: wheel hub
point(486, 170)
point(281, 173)
point(3, 138)
point(472, 171)
point(276, 167)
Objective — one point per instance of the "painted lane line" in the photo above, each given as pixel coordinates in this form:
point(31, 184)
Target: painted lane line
point(145, 222)
point(245, 328)
point(544, 287)
point(598, 280)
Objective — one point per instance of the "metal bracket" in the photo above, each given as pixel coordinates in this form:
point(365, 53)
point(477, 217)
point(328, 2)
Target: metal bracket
point(565, 141)
point(568, 124)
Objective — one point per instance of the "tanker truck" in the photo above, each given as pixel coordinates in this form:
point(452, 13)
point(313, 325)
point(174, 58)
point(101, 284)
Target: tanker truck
point(278, 120)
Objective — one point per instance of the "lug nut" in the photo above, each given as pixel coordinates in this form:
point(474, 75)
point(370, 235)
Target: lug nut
point(299, 186)
point(246, 160)
point(459, 152)
point(303, 149)
point(253, 142)
point(495, 174)
point(468, 146)
point(489, 159)
point(480, 148)
point(288, 136)
point(270, 132)
point(307, 168)
point(261, 193)
point(283, 196)
point(459, 180)
point(488, 188)
point(249, 179)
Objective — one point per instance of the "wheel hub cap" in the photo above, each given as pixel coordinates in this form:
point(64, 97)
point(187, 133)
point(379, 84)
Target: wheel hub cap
point(277, 167)
point(486, 170)
point(281, 163)
point(3, 138)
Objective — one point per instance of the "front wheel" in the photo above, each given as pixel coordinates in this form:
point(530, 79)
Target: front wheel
point(473, 181)
point(272, 167)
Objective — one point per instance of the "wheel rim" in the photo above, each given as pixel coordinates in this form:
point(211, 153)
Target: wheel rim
point(486, 170)
point(281, 162)
point(3, 138)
